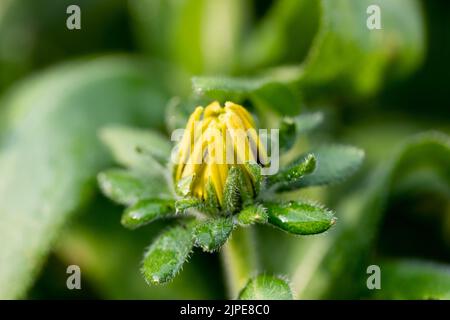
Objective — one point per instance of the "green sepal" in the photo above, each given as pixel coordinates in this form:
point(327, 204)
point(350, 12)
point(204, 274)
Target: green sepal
point(211, 204)
point(232, 200)
point(245, 187)
point(255, 173)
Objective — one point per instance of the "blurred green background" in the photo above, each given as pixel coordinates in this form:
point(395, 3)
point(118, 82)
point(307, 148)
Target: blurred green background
point(385, 91)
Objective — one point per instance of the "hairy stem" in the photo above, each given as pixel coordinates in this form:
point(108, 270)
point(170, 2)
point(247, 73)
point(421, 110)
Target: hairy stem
point(239, 258)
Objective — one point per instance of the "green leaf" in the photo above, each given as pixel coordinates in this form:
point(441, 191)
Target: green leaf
point(276, 39)
point(251, 215)
point(136, 148)
point(212, 234)
point(185, 32)
point(278, 97)
point(128, 187)
point(49, 150)
point(266, 92)
point(167, 254)
point(307, 122)
point(178, 111)
point(409, 279)
point(112, 252)
point(334, 164)
point(285, 179)
point(224, 88)
point(146, 211)
point(300, 217)
point(291, 128)
point(266, 287)
point(360, 215)
point(25, 26)
point(184, 204)
point(354, 58)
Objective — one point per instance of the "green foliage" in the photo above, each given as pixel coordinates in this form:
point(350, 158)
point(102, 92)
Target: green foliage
point(268, 94)
point(146, 211)
point(291, 128)
point(284, 179)
point(251, 215)
point(404, 279)
point(334, 164)
point(232, 190)
point(254, 170)
point(185, 32)
point(127, 187)
point(33, 34)
point(111, 251)
point(266, 287)
point(277, 58)
point(307, 122)
point(49, 153)
point(183, 186)
point(365, 56)
point(300, 217)
point(184, 204)
point(167, 254)
point(211, 234)
point(137, 148)
point(359, 220)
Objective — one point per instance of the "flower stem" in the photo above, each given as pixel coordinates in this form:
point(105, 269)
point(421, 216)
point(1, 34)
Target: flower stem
point(239, 258)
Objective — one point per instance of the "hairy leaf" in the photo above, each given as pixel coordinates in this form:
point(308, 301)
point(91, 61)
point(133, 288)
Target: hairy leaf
point(275, 40)
point(291, 128)
point(127, 186)
point(334, 164)
point(300, 217)
point(211, 234)
point(167, 254)
point(50, 154)
point(184, 204)
point(266, 92)
point(251, 215)
point(137, 148)
point(146, 211)
point(289, 178)
point(360, 215)
point(266, 287)
point(365, 55)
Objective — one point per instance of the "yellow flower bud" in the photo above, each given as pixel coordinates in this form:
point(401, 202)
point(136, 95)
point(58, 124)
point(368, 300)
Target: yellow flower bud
point(215, 139)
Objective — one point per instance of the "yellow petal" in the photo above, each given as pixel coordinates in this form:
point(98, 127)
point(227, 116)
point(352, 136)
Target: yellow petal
point(187, 140)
